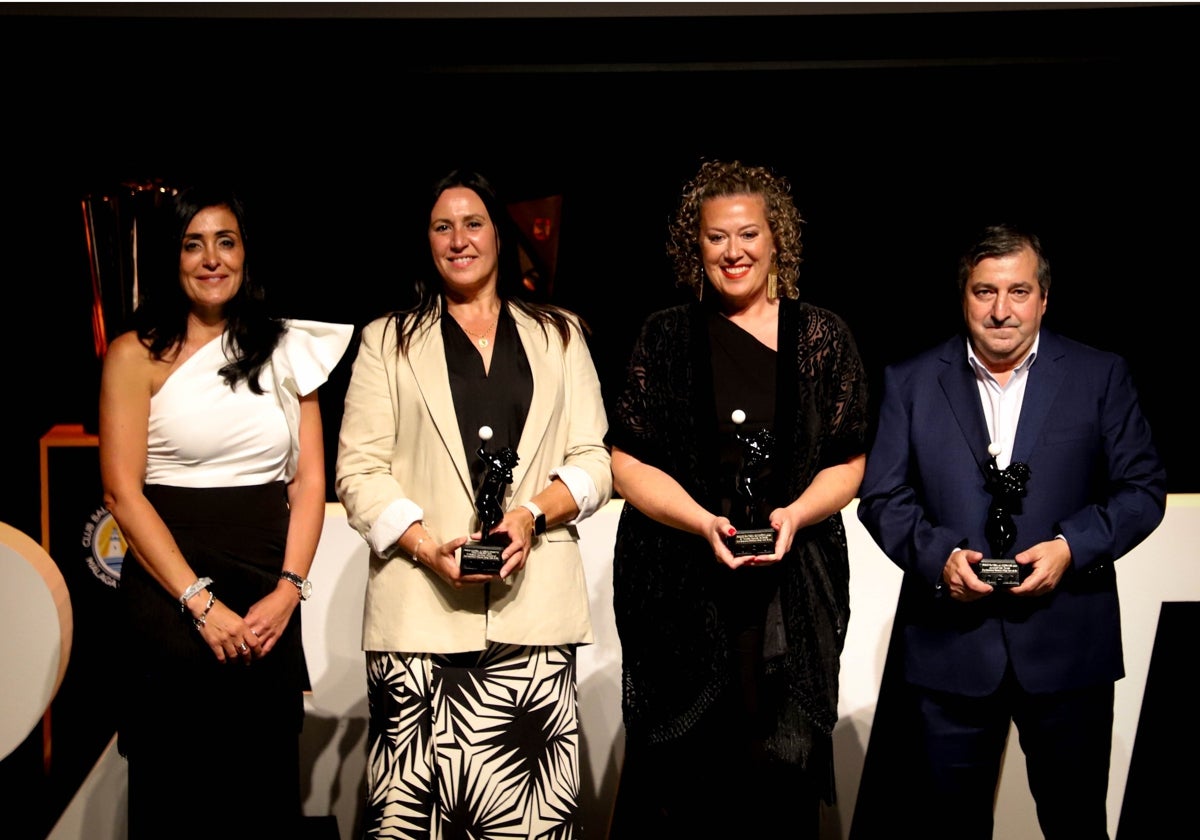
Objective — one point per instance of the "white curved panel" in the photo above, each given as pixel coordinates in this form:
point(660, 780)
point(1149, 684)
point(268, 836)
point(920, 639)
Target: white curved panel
point(35, 634)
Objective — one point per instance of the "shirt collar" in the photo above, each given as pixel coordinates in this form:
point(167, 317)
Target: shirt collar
point(1026, 363)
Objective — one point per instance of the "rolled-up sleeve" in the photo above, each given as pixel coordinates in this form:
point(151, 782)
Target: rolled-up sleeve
point(587, 464)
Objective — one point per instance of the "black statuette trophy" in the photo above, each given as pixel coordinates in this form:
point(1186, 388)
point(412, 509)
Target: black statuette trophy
point(483, 557)
point(751, 517)
point(1007, 487)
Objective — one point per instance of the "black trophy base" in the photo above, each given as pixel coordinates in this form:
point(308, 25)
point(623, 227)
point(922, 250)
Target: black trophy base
point(999, 572)
point(481, 558)
point(751, 541)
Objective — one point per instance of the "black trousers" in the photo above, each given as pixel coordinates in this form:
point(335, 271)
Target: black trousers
point(1067, 740)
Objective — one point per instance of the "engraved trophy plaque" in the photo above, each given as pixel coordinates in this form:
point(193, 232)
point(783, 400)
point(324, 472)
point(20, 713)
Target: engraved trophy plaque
point(1007, 487)
point(750, 514)
point(483, 557)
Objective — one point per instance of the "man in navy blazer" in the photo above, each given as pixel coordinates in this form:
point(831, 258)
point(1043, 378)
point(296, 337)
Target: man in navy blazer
point(1046, 652)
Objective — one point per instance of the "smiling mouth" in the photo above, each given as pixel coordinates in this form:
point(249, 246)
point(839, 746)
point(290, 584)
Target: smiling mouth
point(735, 271)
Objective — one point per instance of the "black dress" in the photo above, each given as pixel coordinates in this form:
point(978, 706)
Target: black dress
point(729, 682)
point(213, 747)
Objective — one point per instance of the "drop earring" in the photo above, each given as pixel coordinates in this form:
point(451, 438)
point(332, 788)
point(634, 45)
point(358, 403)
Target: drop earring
point(773, 282)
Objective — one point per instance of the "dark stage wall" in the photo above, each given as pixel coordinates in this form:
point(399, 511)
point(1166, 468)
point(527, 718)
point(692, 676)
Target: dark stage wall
point(900, 130)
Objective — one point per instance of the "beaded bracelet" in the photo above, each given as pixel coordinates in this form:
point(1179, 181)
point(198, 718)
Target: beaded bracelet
point(417, 548)
point(191, 591)
point(202, 619)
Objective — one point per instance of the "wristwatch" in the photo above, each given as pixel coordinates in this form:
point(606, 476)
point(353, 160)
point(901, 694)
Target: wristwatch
point(539, 518)
point(303, 585)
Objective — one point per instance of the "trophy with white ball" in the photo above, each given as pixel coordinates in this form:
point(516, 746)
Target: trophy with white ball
point(750, 513)
point(1007, 487)
point(483, 557)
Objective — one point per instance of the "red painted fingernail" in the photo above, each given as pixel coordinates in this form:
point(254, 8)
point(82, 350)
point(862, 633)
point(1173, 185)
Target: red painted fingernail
point(732, 531)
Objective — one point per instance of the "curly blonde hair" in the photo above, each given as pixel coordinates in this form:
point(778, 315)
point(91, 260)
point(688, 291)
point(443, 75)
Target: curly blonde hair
point(717, 179)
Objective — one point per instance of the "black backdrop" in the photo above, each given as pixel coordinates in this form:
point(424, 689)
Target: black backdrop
point(901, 127)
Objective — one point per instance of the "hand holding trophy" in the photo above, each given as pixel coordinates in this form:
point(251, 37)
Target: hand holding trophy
point(751, 517)
point(483, 557)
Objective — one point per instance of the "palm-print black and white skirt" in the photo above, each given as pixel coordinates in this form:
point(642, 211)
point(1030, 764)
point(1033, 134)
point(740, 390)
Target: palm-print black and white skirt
point(473, 745)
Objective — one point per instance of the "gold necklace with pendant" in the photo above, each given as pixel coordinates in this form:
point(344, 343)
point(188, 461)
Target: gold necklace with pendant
point(482, 339)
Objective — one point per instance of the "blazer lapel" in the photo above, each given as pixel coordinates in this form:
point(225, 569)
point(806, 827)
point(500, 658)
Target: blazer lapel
point(1045, 378)
point(427, 359)
point(962, 394)
point(541, 406)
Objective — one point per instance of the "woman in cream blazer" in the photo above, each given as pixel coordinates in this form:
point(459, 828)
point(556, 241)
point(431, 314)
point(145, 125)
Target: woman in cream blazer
point(471, 677)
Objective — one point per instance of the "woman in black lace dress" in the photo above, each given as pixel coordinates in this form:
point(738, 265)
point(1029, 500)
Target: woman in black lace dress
point(730, 663)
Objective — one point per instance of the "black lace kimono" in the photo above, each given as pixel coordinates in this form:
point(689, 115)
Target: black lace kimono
point(673, 599)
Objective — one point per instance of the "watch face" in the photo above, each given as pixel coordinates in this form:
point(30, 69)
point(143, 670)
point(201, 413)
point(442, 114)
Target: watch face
point(305, 590)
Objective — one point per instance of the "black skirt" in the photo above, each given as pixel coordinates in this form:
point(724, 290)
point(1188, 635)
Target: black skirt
point(178, 701)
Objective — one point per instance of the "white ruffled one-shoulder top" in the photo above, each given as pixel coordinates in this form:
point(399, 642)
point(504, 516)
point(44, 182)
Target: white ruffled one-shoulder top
point(205, 434)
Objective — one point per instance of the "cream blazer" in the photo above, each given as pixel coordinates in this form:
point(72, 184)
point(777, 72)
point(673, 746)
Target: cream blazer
point(400, 442)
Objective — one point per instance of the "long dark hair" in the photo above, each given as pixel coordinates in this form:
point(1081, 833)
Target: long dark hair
point(509, 286)
point(161, 317)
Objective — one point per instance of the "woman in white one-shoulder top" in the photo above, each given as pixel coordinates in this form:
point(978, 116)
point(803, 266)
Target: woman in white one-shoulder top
point(211, 456)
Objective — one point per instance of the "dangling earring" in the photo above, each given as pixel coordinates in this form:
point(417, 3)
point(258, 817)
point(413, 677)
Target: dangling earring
point(773, 283)
point(700, 294)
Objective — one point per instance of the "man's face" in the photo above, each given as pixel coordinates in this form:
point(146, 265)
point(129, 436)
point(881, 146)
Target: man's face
point(1003, 308)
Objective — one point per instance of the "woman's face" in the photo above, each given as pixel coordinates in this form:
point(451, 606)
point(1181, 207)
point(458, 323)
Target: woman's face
point(211, 259)
point(737, 247)
point(464, 242)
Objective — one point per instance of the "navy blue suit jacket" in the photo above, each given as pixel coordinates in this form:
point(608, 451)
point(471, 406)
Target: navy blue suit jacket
point(1095, 478)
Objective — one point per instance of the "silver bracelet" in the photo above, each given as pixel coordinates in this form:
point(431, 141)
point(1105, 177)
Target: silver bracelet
point(191, 591)
point(202, 619)
point(417, 548)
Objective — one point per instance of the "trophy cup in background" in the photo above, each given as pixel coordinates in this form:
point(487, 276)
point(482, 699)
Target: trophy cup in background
point(1007, 487)
point(114, 222)
point(483, 557)
point(750, 512)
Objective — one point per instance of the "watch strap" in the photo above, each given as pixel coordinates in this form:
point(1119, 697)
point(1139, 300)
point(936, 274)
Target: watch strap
point(539, 518)
point(303, 587)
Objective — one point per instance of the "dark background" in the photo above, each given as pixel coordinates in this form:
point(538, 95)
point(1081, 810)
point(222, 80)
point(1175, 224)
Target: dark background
point(901, 126)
